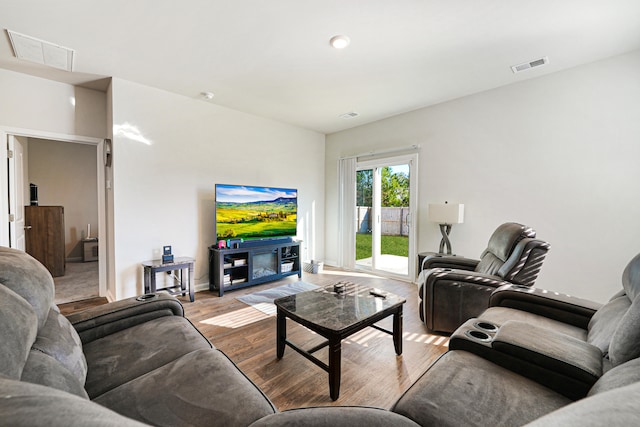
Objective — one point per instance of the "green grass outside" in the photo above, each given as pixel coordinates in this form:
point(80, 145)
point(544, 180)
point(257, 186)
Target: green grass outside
point(392, 245)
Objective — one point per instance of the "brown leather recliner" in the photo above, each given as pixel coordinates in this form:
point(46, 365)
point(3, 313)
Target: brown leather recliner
point(453, 289)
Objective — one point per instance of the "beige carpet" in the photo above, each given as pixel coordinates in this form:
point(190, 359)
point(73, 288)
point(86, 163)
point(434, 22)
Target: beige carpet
point(79, 282)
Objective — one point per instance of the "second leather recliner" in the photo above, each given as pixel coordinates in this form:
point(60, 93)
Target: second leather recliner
point(453, 289)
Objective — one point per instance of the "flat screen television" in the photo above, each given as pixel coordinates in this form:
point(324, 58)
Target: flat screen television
point(250, 212)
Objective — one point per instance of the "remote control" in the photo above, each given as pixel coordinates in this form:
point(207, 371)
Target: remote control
point(377, 294)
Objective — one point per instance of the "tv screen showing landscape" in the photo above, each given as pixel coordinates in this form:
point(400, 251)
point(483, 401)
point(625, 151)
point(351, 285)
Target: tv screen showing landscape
point(250, 212)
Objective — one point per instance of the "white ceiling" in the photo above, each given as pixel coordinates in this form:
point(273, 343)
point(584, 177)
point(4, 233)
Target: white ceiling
point(272, 58)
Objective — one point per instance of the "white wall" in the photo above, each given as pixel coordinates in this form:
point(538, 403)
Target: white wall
point(163, 191)
point(559, 153)
point(32, 103)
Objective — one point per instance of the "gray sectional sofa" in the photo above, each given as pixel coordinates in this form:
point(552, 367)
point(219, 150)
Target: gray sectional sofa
point(113, 365)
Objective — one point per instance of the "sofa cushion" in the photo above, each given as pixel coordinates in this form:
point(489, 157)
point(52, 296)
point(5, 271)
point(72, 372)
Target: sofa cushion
point(617, 407)
point(489, 264)
point(201, 388)
point(45, 370)
point(605, 321)
point(461, 388)
point(120, 357)
point(625, 342)
point(18, 329)
point(60, 340)
point(24, 275)
point(26, 405)
point(348, 416)
point(620, 376)
point(631, 278)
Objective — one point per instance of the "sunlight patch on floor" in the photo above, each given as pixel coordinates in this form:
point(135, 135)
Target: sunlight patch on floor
point(350, 273)
point(363, 337)
point(237, 318)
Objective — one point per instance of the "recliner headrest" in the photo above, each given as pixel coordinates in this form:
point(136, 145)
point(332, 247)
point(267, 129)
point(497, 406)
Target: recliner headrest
point(631, 278)
point(506, 237)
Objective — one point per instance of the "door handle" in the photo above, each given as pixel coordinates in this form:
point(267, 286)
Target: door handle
point(28, 227)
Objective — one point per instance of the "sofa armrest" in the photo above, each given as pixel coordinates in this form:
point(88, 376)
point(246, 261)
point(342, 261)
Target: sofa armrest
point(554, 305)
point(97, 322)
point(574, 363)
point(448, 261)
point(558, 361)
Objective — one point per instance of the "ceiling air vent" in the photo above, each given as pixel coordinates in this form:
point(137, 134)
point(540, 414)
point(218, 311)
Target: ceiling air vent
point(349, 115)
point(529, 65)
point(42, 52)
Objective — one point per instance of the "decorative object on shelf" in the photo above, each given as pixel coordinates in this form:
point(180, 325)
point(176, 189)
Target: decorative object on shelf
point(445, 215)
point(167, 256)
point(33, 192)
point(234, 243)
point(286, 266)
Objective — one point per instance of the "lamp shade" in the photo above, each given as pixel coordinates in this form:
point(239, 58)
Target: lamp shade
point(448, 213)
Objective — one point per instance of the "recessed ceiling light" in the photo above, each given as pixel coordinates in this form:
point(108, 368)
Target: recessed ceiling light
point(207, 95)
point(339, 42)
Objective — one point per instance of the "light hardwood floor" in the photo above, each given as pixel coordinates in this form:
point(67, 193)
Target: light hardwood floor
point(372, 374)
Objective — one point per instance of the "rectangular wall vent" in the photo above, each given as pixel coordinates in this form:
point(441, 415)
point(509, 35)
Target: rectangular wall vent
point(349, 115)
point(529, 65)
point(42, 52)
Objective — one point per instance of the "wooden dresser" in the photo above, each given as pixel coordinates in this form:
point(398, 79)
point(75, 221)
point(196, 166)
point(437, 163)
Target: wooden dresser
point(44, 236)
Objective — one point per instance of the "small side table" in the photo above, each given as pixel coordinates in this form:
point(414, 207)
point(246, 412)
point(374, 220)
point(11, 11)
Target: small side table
point(90, 249)
point(179, 264)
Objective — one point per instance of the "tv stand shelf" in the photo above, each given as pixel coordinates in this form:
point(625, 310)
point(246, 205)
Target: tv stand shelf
point(237, 268)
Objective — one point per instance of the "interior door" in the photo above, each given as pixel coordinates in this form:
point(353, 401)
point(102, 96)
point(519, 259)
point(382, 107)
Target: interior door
point(16, 193)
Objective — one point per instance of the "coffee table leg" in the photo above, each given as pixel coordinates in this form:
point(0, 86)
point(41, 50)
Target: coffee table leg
point(281, 334)
point(335, 353)
point(397, 330)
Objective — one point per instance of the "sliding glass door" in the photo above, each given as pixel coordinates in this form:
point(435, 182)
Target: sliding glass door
point(384, 236)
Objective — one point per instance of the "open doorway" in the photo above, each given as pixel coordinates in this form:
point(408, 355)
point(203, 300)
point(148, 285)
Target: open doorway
point(66, 173)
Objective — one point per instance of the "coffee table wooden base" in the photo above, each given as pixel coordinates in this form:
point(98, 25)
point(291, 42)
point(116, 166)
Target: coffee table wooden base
point(334, 341)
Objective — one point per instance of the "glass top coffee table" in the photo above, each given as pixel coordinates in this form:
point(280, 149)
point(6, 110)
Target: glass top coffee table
point(336, 315)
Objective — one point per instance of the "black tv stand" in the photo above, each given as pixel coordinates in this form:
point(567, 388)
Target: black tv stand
point(237, 268)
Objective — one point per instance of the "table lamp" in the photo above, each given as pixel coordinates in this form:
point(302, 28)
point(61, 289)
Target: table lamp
point(445, 215)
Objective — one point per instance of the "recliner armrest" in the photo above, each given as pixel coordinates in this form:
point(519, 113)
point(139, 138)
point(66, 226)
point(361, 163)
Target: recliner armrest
point(558, 361)
point(554, 305)
point(465, 276)
point(448, 261)
point(551, 353)
point(97, 322)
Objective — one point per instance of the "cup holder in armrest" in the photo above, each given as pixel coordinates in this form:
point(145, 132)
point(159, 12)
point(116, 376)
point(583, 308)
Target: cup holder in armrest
point(146, 297)
point(475, 336)
point(478, 335)
point(485, 326)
